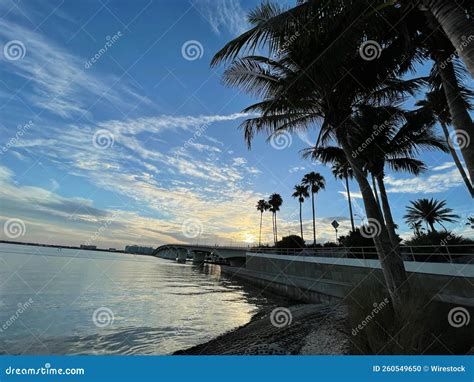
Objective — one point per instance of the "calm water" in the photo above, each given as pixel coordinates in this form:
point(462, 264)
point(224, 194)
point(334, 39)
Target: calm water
point(88, 302)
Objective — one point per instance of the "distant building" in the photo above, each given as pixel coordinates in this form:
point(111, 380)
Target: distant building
point(83, 246)
point(139, 250)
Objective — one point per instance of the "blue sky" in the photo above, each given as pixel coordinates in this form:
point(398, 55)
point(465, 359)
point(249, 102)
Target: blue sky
point(114, 130)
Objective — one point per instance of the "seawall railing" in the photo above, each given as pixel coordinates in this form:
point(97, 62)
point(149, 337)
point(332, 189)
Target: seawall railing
point(460, 253)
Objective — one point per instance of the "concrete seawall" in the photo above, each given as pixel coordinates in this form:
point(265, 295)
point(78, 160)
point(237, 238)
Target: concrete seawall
point(324, 279)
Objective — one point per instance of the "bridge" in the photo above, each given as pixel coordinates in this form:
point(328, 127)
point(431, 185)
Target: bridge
point(234, 256)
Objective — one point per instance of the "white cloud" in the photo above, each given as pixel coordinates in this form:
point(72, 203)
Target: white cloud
point(296, 169)
point(441, 182)
point(58, 80)
point(444, 166)
point(223, 15)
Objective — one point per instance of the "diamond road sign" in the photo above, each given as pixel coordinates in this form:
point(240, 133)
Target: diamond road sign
point(335, 224)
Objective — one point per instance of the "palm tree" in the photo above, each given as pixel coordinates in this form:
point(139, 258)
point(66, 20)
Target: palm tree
point(416, 227)
point(262, 206)
point(275, 201)
point(456, 24)
point(301, 192)
point(397, 138)
point(315, 182)
point(430, 211)
point(470, 221)
point(340, 168)
point(308, 85)
point(435, 103)
point(454, 101)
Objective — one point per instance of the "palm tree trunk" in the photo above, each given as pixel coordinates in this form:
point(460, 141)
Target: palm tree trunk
point(350, 203)
point(462, 122)
point(433, 229)
point(387, 211)
point(390, 259)
point(276, 229)
point(301, 220)
point(314, 219)
point(273, 227)
point(457, 26)
point(376, 194)
point(260, 234)
point(454, 154)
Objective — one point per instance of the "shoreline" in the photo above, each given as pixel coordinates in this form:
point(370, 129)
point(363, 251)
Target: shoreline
point(303, 329)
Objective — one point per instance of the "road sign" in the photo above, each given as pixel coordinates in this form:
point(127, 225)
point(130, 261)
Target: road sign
point(335, 224)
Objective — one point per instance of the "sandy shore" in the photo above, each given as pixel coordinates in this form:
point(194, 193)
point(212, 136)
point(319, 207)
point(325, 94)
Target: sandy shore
point(302, 329)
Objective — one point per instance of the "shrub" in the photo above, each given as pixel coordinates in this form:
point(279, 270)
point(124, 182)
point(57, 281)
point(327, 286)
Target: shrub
point(292, 241)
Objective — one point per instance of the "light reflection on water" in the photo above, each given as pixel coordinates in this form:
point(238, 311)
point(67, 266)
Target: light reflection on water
point(158, 306)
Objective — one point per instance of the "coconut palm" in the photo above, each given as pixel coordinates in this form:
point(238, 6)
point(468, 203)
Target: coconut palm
point(275, 201)
point(416, 227)
point(446, 76)
point(456, 23)
point(350, 23)
point(397, 137)
point(301, 192)
point(435, 103)
point(430, 211)
point(315, 182)
point(340, 168)
point(262, 206)
point(307, 85)
point(470, 221)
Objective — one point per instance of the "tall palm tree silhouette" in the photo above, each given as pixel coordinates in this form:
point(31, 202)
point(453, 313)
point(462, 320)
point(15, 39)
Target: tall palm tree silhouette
point(275, 201)
point(262, 206)
point(301, 192)
point(430, 211)
point(340, 168)
point(315, 182)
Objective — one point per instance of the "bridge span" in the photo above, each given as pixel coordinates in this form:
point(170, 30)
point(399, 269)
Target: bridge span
point(234, 256)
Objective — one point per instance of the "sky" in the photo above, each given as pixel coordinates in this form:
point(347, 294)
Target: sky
point(114, 130)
